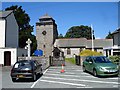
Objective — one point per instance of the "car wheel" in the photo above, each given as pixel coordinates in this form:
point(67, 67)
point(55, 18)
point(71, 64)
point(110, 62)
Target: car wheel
point(84, 70)
point(14, 79)
point(95, 73)
point(41, 72)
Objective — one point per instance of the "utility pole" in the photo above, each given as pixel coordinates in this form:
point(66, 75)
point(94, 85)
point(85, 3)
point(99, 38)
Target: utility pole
point(28, 47)
point(92, 37)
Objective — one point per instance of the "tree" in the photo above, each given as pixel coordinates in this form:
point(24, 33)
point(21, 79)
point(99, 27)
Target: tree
point(109, 36)
point(60, 36)
point(25, 29)
point(79, 32)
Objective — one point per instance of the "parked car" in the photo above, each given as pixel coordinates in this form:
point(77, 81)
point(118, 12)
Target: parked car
point(26, 69)
point(100, 66)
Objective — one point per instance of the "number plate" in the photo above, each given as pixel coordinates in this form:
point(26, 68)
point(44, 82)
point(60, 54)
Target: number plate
point(20, 76)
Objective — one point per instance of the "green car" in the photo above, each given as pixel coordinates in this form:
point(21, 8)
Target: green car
point(100, 66)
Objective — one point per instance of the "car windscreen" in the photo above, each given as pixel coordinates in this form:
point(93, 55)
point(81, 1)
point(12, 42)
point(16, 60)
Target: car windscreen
point(23, 65)
point(101, 60)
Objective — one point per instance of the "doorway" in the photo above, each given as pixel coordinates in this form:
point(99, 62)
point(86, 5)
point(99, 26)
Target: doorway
point(7, 58)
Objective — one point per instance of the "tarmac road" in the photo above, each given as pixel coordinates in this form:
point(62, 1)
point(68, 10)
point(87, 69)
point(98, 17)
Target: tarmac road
point(73, 77)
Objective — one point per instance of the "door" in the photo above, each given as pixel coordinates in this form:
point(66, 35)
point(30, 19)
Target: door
point(91, 64)
point(7, 58)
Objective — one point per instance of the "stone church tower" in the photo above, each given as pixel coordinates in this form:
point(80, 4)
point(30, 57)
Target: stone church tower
point(46, 33)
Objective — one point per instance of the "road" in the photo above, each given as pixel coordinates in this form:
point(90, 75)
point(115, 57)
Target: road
point(73, 77)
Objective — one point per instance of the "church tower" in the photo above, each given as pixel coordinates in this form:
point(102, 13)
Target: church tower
point(46, 33)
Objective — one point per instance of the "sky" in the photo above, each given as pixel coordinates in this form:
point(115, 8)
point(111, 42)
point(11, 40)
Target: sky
point(102, 15)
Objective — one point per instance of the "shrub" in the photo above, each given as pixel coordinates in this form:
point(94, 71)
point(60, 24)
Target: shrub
point(71, 60)
point(115, 59)
point(90, 53)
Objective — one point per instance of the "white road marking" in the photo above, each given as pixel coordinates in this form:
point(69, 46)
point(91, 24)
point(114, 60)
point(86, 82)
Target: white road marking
point(86, 75)
point(74, 84)
point(38, 79)
point(66, 72)
point(80, 80)
point(68, 75)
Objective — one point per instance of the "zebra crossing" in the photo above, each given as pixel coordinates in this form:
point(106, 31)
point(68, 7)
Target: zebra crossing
point(73, 77)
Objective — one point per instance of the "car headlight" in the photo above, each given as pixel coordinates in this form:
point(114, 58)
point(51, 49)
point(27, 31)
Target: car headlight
point(102, 69)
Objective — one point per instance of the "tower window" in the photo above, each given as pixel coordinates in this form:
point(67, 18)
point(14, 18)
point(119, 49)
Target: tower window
point(43, 46)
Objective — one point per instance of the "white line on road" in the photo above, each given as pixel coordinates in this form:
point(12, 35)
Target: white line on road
point(79, 80)
point(38, 79)
point(68, 75)
point(75, 84)
point(77, 76)
point(65, 72)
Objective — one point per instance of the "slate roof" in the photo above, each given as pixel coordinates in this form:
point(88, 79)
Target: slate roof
point(100, 43)
point(4, 14)
point(116, 31)
point(73, 42)
point(83, 42)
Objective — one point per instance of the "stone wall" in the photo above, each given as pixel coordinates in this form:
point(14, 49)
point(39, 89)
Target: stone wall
point(41, 60)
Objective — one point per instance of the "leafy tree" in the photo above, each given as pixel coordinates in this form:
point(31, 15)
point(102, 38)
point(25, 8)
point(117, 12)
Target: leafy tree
point(25, 29)
point(109, 36)
point(79, 32)
point(60, 36)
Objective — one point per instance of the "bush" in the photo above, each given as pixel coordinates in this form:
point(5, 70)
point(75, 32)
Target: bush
point(90, 53)
point(71, 60)
point(115, 59)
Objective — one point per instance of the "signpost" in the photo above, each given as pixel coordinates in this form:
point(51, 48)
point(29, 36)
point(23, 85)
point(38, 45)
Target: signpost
point(28, 47)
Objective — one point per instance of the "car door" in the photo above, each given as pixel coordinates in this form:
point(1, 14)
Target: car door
point(91, 64)
point(86, 63)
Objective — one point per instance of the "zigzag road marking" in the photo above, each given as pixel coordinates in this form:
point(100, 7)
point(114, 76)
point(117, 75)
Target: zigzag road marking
point(79, 80)
point(74, 84)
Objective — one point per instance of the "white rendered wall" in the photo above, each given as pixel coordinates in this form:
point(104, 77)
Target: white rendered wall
point(2, 33)
point(74, 51)
point(13, 55)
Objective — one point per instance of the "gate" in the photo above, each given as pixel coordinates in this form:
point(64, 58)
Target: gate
point(77, 59)
point(57, 61)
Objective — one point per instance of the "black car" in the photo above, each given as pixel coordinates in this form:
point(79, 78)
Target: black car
point(26, 69)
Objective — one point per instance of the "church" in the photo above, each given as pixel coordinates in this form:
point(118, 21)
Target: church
point(47, 39)
point(9, 50)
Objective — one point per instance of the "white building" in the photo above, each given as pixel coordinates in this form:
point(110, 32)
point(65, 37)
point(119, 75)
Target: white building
point(9, 50)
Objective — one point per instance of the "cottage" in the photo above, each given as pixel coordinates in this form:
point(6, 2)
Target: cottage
point(115, 49)
point(9, 50)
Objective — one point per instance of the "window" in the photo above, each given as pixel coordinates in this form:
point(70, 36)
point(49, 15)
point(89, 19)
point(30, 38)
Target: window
point(68, 51)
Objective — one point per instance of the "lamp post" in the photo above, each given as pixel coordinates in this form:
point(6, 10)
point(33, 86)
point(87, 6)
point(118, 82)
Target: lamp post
point(92, 31)
point(28, 47)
